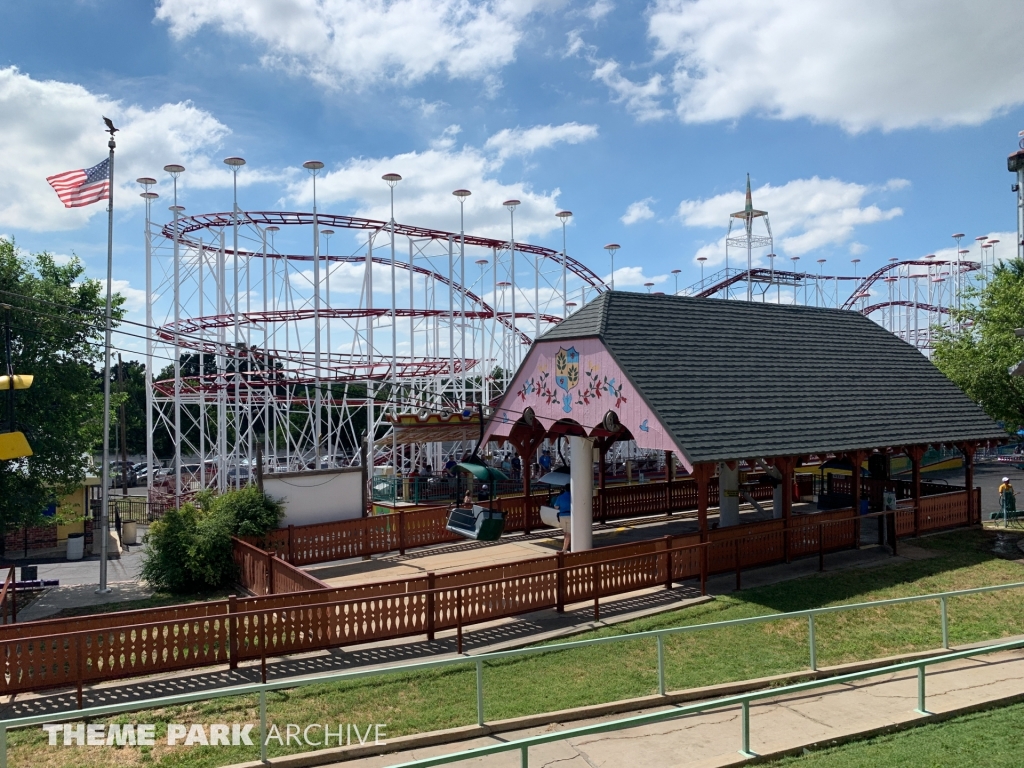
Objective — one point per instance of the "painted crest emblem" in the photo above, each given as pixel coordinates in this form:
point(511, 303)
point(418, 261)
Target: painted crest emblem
point(567, 374)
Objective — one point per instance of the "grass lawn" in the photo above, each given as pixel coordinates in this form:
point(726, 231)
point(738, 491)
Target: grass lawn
point(993, 739)
point(415, 703)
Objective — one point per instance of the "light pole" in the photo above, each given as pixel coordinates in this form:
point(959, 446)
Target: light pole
point(993, 242)
point(506, 363)
point(272, 230)
point(512, 205)
point(462, 194)
point(314, 167)
point(648, 286)
point(149, 197)
point(482, 263)
point(795, 259)
point(326, 233)
point(702, 259)
point(818, 288)
point(392, 179)
point(675, 276)
point(957, 237)
point(235, 163)
point(564, 217)
point(612, 248)
point(175, 171)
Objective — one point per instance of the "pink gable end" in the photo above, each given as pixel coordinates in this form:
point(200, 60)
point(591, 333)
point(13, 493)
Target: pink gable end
point(579, 381)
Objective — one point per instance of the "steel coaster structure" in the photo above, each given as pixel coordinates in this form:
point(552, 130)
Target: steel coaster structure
point(278, 345)
point(910, 298)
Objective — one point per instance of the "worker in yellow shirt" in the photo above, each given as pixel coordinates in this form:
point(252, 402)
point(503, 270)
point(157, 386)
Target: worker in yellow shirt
point(1007, 498)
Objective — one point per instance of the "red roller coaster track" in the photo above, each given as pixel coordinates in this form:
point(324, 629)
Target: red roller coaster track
point(965, 267)
point(189, 224)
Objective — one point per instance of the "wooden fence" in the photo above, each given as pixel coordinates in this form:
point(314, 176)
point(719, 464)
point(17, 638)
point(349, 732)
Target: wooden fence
point(424, 526)
point(8, 599)
point(264, 573)
point(293, 612)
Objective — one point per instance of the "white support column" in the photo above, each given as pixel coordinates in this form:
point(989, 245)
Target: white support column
point(729, 486)
point(581, 452)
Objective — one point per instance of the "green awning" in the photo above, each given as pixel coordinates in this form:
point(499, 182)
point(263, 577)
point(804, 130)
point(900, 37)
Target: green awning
point(480, 472)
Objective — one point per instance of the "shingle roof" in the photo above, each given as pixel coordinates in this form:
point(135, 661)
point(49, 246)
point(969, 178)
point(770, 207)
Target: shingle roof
point(736, 379)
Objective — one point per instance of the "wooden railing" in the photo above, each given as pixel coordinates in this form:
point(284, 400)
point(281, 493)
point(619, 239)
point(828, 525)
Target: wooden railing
point(947, 510)
point(263, 573)
point(424, 526)
point(294, 612)
point(8, 598)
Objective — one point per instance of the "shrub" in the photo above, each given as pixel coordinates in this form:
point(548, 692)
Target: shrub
point(254, 513)
point(189, 550)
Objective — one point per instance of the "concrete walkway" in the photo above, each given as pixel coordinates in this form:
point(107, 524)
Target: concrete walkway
point(79, 580)
point(779, 726)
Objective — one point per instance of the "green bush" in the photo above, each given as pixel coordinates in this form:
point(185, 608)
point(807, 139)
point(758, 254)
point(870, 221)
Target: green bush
point(189, 549)
point(254, 513)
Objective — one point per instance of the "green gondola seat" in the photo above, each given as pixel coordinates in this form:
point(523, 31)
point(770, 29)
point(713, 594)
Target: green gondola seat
point(478, 523)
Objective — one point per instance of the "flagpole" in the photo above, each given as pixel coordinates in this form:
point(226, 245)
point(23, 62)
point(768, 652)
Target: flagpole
point(105, 496)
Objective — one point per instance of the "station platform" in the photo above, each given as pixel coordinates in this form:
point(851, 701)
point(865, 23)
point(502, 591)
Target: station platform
point(517, 547)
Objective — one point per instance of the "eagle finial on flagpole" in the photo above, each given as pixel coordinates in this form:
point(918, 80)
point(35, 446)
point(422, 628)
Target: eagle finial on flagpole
point(110, 127)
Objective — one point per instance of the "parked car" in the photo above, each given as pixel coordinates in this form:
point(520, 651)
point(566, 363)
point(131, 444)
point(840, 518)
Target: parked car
point(242, 473)
point(119, 470)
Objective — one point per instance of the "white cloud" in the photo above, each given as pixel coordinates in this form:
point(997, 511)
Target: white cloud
point(524, 141)
point(355, 43)
point(643, 100)
point(638, 211)
point(806, 214)
point(134, 298)
point(598, 10)
point(424, 196)
point(48, 127)
point(870, 64)
point(627, 277)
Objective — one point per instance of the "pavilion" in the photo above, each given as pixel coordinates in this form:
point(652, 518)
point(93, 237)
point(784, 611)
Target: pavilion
point(714, 383)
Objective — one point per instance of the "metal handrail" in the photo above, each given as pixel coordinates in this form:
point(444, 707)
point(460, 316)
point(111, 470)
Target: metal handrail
point(743, 699)
point(479, 659)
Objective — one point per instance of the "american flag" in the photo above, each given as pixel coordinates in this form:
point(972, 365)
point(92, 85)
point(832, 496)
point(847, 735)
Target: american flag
point(82, 187)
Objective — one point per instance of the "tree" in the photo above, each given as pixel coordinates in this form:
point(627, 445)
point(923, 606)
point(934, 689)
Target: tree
point(979, 355)
point(131, 389)
point(57, 319)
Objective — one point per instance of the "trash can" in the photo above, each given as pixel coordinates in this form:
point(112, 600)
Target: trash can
point(29, 572)
point(76, 546)
point(129, 533)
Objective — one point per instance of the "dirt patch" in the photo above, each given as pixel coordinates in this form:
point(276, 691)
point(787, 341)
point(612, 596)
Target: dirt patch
point(1005, 545)
point(912, 552)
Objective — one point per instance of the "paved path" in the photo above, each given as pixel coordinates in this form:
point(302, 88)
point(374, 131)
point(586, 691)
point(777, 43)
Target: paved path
point(776, 725)
point(79, 580)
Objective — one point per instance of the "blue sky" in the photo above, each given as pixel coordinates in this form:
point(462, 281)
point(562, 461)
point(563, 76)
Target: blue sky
point(869, 130)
